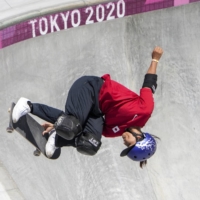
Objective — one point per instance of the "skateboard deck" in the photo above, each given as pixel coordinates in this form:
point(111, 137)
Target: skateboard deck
point(31, 130)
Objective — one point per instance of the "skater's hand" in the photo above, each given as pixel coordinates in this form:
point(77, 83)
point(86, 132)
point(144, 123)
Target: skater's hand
point(47, 127)
point(157, 53)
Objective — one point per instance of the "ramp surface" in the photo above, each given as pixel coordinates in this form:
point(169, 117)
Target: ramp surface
point(43, 69)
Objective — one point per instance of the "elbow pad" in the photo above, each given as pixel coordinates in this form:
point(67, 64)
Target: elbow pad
point(150, 81)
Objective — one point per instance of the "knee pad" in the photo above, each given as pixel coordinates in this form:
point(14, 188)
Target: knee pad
point(67, 126)
point(87, 144)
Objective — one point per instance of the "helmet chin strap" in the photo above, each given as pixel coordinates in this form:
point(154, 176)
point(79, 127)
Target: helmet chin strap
point(137, 136)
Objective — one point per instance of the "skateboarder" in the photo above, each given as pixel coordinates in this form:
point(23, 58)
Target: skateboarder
point(99, 106)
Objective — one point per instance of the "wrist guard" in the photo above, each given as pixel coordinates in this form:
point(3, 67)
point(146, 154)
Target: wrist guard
point(150, 81)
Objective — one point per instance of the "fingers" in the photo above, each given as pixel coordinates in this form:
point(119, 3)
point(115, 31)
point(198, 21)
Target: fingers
point(157, 53)
point(48, 127)
point(47, 124)
point(43, 125)
point(158, 50)
point(44, 132)
point(47, 130)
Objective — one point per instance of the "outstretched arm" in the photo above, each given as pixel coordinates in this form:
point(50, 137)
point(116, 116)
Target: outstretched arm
point(156, 55)
point(150, 79)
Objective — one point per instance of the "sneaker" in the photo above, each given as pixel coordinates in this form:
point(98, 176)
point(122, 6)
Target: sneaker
point(20, 109)
point(50, 145)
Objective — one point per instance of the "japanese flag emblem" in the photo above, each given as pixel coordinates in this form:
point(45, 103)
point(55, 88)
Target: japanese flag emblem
point(115, 129)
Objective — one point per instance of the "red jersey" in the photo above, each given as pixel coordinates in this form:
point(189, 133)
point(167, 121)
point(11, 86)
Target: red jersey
point(122, 107)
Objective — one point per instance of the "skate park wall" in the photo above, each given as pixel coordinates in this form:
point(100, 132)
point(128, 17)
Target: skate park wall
point(43, 69)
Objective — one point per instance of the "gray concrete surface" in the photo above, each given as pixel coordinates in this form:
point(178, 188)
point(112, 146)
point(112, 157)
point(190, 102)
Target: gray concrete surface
point(8, 188)
point(43, 69)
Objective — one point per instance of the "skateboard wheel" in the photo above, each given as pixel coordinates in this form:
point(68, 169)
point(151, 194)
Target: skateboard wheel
point(9, 130)
point(9, 109)
point(36, 152)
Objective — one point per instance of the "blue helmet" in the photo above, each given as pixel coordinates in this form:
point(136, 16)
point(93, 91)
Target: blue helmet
point(142, 150)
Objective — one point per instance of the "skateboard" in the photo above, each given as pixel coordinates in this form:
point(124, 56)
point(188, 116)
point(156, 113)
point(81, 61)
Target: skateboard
point(31, 130)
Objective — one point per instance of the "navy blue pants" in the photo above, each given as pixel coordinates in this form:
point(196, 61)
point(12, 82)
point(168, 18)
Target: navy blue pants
point(82, 102)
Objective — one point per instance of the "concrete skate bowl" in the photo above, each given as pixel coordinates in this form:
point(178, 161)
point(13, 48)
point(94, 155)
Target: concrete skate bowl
point(42, 56)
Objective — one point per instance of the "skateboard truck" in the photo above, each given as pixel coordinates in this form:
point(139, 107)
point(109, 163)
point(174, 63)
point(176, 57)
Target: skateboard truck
point(10, 126)
point(37, 152)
